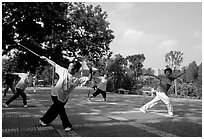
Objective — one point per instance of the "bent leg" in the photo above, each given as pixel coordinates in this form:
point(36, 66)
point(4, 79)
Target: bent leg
point(15, 96)
point(151, 103)
point(97, 92)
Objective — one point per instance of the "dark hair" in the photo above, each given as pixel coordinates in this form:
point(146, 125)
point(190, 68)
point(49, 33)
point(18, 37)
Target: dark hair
point(168, 69)
point(77, 66)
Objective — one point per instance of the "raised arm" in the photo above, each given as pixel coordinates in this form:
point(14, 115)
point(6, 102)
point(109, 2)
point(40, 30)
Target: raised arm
point(48, 60)
point(19, 74)
point(146, 74)
point(179, 75)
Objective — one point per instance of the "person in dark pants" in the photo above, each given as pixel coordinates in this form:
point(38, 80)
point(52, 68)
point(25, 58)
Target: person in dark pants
point(9, 82)
point(60, 93)
point(26, 79)
point(101, 89)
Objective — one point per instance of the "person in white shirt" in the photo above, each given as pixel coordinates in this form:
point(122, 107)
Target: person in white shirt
point(26, 79)
point(101, 89)
point(60, 93)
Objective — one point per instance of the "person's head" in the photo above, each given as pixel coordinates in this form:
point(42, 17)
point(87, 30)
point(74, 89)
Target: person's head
point(168, 71)
point(74, 67)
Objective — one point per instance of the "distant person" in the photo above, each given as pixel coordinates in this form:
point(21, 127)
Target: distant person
point(35, 80)
point(161, 91)
point(101, 89)
point(25, 80)
point(9, 82)
point(60, 93)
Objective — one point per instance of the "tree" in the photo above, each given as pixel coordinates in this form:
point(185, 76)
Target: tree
point(115, 66)
point(192, 72)
point(174, 60)
point(136, 65)
point(199, 79)
point(55, 29)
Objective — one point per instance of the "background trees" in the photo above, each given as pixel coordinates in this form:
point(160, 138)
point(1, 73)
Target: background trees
point(60, 30)
point(55, 29)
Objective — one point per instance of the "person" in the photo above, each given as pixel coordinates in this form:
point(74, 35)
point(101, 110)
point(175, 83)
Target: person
point(161, 91)
point(90, 76)
point(101, 89)
point(25, 80)
point(9, 82)
point(35, 80)
point(60, 93)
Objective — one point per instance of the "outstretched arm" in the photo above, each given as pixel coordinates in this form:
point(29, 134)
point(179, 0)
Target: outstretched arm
point(146, 74)
point(19, 74)
point(48, 60)
point(179, 75)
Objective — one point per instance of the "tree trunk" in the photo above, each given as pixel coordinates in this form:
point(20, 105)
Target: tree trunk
point(175, 87)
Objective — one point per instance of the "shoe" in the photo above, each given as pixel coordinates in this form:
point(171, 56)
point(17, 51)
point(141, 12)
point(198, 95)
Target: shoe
point(5, 105)
point(142, 110)
point(25, 106)
point(88, 99)
point(67, 129)
point(42, 123)
point(171, 114)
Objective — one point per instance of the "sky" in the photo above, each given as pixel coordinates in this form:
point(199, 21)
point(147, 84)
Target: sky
point(154, 29)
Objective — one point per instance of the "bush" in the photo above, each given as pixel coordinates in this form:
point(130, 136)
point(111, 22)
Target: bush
point(186, 90)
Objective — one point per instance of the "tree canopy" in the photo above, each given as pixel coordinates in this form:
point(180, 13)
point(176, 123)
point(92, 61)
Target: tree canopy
point(56, 30)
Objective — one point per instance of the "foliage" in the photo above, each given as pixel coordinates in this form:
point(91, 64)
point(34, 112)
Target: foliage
point(174, 59)
point(55, 29)
point(186, 90)
point(136, 67)
point(191, 72)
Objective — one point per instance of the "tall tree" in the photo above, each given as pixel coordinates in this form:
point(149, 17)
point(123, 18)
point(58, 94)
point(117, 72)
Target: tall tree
point(192, 72)
point(174, 60)
point(200, 74)
point(136, 65)
point(56, 30)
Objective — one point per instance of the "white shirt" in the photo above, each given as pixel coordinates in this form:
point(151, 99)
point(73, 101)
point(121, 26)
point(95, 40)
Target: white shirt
point(65, 84)
point(103, 83)
point(24, 81)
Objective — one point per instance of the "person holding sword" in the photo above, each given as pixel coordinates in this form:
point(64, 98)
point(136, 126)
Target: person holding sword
point(60, 93)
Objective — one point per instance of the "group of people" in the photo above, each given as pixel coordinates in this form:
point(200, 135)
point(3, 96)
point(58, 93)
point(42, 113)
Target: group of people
point(68, 81)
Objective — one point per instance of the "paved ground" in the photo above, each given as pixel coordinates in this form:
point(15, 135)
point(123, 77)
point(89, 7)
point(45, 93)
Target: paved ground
point(119, 117)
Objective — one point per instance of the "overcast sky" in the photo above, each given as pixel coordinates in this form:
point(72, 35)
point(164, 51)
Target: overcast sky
point(154, 29)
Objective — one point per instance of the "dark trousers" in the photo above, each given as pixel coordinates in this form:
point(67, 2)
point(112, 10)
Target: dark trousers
point(57, 108)
point(7, 88)
point(16, 95)
point(99, 91)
